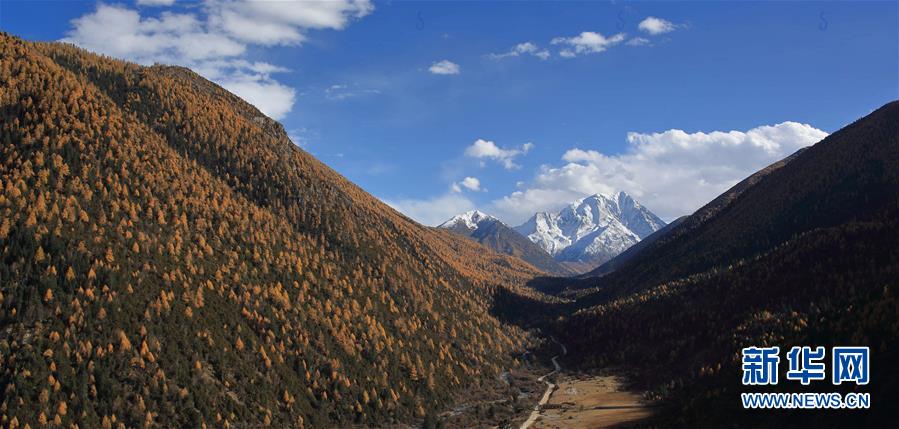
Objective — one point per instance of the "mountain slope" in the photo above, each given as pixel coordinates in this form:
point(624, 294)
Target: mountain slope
point(494, 234)
point(686, 224)
point(169, 257)
point(633, 251)
point(592, 230)
point(805, 252)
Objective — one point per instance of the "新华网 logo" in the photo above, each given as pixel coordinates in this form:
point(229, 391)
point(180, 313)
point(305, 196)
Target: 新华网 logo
point(806, 365)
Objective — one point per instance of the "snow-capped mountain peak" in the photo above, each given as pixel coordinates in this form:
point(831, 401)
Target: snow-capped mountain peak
point(581, 236)
point(468, 220)
point(592, 229)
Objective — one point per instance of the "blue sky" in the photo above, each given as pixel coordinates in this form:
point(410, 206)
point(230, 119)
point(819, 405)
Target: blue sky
point(431, 107)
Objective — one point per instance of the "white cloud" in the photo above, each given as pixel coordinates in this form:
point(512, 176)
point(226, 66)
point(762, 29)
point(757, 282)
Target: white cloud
point(470, 183)
point(214, 40)
point(303, 137)
point(638, 41)
point(339, 92)
point(588, 42)
point(656, 26)
point(526, 48)
point(672, 173)
point(272, 98)
point(444, 67)
point(282, 22)
point(155, 2)
point(172, 38)
point(433, 211)
point(485, 149)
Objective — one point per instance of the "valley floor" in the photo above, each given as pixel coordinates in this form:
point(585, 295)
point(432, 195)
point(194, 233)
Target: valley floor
point(591, 402)
point(575, 401)
point(534, 396)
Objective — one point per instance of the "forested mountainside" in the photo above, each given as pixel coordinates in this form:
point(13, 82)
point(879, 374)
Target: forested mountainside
point(805, 253)
point(503, 239)
point(170, 258)
point(674, 229)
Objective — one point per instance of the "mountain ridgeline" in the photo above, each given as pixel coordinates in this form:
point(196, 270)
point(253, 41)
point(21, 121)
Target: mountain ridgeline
point(803, 253)
point(170, 258)
point(625, 256)
point(494, 234)
point(591, 230)
point(578, 238)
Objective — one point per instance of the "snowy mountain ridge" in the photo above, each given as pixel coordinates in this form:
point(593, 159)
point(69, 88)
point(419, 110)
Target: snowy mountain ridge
point(468, 220)
point(494, 234)
point(581, 236)
point(593, 229)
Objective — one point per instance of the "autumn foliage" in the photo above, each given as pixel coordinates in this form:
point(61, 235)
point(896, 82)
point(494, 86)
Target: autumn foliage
point(171, 259)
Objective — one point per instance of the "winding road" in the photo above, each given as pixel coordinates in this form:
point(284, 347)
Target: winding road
point(535, 413)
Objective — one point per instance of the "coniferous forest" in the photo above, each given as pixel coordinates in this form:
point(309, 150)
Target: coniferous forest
point(803, 253)
point(169, 258)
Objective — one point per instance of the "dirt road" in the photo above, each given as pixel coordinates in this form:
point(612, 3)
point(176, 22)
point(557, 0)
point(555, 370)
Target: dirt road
point(580, 402)
point(535, 413)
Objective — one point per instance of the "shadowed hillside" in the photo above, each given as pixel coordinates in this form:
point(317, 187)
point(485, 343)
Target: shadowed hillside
point(804, 253)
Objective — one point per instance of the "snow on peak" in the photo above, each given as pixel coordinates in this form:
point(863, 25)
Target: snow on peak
point(469, 219)
point(598, 224)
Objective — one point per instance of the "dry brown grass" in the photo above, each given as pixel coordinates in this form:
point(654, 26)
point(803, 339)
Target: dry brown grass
point(595, 402)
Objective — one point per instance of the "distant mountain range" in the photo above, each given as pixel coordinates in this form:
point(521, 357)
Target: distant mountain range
point(591, 230)
point(493, 233)
point(578, 238)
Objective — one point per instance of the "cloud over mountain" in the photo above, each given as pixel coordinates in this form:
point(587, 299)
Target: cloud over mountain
point(214, 39)
point(672, 172)
point(486, 149)
point(432, 211)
